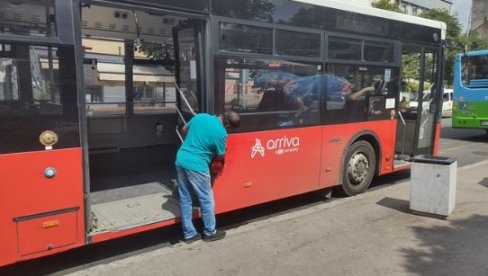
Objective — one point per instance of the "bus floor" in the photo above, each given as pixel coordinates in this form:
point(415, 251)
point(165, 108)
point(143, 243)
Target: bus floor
point(131, 200)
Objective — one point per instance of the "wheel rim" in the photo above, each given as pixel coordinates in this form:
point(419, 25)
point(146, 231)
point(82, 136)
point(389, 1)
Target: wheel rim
point(358, 168)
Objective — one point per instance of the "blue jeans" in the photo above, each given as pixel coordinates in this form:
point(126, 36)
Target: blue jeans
point(197, 183)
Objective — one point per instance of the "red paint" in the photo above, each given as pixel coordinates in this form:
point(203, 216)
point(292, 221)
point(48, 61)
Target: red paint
point(437, 139)
point(260, 167)
point(25, 191)
point(288, 164)
point(314, 164)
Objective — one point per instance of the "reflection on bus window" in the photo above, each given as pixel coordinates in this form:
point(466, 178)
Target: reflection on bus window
point(37, 93)
point(271, 94)
point(357, 93)
point(27, 17)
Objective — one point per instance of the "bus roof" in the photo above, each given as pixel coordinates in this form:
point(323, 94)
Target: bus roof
point(357, 7)
point(475, 53)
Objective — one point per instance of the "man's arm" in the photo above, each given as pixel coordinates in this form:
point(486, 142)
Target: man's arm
point(184, 130)
point(361, 92)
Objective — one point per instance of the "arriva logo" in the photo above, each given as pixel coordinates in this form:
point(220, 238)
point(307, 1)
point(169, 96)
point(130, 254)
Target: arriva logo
point(278, 146)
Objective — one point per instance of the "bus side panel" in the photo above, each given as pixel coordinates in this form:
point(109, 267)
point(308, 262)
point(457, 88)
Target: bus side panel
point(40, 216)
point(337, 137)
point(268, 165)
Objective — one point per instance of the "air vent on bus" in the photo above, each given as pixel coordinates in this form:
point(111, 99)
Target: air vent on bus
point(112, 26)
point(84, 23)
point(98, 25)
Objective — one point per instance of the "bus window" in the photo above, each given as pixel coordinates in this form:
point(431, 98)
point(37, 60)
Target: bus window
point(27, 17)
point(297, 44)
point(127, 72)
point(243, 38)
point(104, 79)
point(378, 51)
point(37, 93)
point(154, 89)
point(342, 48)
point(358, 93)
point(475, 71)
point(270, 94)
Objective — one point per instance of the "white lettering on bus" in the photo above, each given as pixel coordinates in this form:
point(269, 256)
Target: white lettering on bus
point(284, 142)
point(279, 146)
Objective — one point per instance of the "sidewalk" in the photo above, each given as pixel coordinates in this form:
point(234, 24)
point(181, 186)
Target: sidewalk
point(370, 234)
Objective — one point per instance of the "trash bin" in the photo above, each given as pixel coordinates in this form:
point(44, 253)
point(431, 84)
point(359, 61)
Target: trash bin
point(433, 185)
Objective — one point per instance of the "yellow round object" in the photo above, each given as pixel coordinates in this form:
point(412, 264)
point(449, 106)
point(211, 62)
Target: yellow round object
point(48, 138)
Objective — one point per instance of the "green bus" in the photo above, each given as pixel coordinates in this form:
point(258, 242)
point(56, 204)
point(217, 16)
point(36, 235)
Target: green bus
point(470, 108)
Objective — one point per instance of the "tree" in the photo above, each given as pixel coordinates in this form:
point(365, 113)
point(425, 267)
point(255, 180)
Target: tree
point(455, 41)
point(386, 5)
point(453, 25)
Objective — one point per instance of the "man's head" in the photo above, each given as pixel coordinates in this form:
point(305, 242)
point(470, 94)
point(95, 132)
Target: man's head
point(346, 87)
point(231, 119)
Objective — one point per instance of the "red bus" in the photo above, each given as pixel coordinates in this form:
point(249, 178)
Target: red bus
point(90, 89)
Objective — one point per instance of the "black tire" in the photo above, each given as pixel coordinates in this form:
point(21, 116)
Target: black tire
point(358, 168)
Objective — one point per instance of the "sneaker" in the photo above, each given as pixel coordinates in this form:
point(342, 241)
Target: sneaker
point(192, 239)
point(219, 234)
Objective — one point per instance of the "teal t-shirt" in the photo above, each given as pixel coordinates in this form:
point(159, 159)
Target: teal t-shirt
point(206, 136)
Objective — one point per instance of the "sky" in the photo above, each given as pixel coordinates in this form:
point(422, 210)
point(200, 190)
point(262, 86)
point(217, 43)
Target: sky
point(463, 9)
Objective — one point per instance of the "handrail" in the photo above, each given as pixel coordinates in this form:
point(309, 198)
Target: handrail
point(184, 99)
point(403, 134)
point(179, 134)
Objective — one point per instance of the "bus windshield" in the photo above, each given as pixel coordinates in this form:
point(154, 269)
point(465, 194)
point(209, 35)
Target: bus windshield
point(475, 71)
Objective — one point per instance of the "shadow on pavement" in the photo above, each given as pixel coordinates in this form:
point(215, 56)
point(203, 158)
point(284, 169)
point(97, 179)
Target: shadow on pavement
point(400, 205)
point(459, 248)
point(484, 182)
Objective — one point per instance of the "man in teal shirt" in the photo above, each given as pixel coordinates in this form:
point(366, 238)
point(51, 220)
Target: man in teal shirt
point(206, 136)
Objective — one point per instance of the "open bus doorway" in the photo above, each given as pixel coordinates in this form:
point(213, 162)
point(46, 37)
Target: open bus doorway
point(132, 64)
point(416, 123)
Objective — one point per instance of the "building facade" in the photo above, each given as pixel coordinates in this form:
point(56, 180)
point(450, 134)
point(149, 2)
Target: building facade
point(479, 18)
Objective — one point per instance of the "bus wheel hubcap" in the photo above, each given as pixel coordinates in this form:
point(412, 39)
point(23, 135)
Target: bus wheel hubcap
point(358, 168)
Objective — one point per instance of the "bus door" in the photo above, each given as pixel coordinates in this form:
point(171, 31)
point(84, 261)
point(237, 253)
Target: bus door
point(189, 41)
point(41, 195)
point(416, 124)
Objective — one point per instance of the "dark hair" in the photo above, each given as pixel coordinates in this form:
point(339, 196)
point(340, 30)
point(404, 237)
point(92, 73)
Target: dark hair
point(232, 119)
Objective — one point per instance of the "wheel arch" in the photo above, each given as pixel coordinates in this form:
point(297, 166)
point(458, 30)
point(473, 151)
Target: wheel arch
point(367, 136)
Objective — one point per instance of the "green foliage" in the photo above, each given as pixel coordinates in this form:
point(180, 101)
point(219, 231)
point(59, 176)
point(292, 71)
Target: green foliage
point(386, 5)
point(452, 23)
point(453, 34)
point(157, 51)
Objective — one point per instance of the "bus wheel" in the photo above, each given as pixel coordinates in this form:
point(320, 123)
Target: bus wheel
point(359, 168)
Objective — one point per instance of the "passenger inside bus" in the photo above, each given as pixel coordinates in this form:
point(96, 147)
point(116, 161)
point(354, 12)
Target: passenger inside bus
point(288, 96)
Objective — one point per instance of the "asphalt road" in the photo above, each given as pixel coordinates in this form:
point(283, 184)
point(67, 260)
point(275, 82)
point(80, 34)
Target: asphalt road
point(466, 146)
